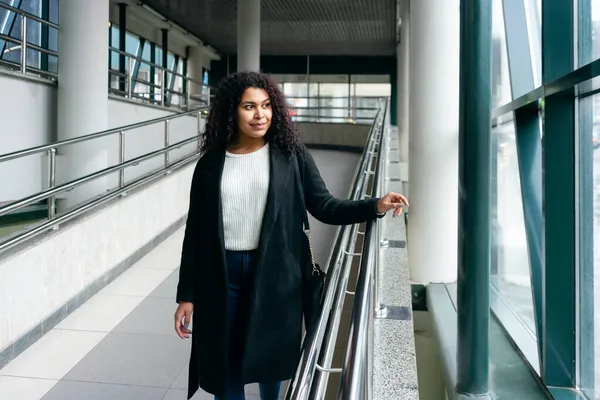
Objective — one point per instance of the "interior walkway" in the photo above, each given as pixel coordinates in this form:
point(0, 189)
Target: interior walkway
point(121, 345)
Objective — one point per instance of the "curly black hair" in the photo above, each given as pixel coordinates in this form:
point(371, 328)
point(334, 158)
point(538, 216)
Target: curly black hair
point(221, 123)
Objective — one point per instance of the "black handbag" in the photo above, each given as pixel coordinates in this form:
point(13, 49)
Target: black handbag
point(313, 277)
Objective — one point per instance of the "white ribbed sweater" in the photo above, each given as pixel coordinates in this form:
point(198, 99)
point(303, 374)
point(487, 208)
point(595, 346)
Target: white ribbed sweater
point(244, 188)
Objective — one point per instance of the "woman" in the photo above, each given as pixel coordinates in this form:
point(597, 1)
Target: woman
point(240, 271)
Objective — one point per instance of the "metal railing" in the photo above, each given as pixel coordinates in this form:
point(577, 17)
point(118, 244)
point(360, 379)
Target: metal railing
point(23, 45)
point(312, 376)
point(335, 109)
point(158, 93)
point(53, 220)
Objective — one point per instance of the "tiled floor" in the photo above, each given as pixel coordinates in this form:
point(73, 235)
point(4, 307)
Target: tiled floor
point(120, 345)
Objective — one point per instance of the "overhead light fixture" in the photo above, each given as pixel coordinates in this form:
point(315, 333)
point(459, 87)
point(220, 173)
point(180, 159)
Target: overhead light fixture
point(154, 12)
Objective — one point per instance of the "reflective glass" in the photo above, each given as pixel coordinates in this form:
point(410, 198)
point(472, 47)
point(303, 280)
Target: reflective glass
point(178, 99)
point(114, 43)
point(12, 25)
point(53, 36)
point(300, 96)
point(334, 102)
point(365, 100)
point(132, 44)
point(533, 14)
point(589, 21)
point(143, 74)
point(510, 259)
point(595, 28)
point(589, 245)
point(158, 60)
point(501, 92)
point(595, 192)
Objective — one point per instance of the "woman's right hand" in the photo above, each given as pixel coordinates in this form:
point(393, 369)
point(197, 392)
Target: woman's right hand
point(183, 314)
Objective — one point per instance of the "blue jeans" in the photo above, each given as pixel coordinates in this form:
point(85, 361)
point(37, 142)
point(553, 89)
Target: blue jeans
point(240, 268)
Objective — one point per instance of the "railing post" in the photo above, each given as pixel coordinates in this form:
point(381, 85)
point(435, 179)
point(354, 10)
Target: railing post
point(166, 142)
point(162, 87)
point(199, 128)
point(188, 87)
point(378, 309)
point(208, 98)
point(121, 158)
point(23, 44)
point(51, 182)
point(130, 78)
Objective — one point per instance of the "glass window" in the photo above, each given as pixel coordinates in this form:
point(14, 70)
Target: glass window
point(114, 43)
point(510, 275)
point(589, 245)
point(11, 25)
point(38, 34)
point(594, 144)
point(143, 75)
point(501, 92)
point(366, 100)
point(365, 109)
point(334, 101)
point(533, 13)
point(132, 45)
point(158, 73)
point(589, 31)
point(53, 36)
point(303, 107)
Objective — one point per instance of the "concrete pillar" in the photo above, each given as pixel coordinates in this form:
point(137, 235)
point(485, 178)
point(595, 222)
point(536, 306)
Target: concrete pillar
point(402, 54)
point(248, 35)
point(83, 94)
point(433, 141)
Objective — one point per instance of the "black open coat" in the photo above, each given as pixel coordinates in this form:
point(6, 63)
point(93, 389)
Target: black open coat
point(274, 327)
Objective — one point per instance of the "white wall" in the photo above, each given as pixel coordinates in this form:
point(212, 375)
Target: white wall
point(336, 134)
point(27, 119)
point(37, 281)
point(144, 140)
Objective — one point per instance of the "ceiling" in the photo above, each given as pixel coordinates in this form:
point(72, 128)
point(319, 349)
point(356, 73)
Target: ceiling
point(292, 27)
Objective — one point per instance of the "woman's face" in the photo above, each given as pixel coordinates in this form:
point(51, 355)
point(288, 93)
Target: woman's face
point(254, 113)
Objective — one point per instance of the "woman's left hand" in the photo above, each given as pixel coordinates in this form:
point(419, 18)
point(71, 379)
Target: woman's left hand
point(392, 201)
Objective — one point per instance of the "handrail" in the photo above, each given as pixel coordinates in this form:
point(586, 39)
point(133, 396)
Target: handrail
point(13, 206)
point(15, 240)
point(356, 382)
point(50, 193)
point(97, 135)
point(317, 350)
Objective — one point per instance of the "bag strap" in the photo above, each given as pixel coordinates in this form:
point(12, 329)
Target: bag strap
point(299, 188)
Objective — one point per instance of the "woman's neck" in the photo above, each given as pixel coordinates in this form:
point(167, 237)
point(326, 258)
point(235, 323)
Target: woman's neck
point(246, 144)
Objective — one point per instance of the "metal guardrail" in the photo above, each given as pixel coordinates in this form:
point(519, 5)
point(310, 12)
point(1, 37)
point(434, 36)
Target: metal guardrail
point(53, 189)
point(315, 366)
point(24, 44)
point(50, 193)
point(345, 111)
